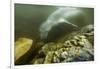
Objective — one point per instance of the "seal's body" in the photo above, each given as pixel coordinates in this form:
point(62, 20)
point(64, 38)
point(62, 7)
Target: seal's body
point(72, 17)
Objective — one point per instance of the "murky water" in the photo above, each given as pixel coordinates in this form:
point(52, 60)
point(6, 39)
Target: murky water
point(28, 18)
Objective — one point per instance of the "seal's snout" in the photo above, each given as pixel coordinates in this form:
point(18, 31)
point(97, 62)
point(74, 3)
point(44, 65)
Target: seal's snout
point(43, 35)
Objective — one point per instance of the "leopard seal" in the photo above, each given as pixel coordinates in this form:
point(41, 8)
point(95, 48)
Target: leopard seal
point(65, 19)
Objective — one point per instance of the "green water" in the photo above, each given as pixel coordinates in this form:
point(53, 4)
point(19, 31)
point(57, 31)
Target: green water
point(28, 18)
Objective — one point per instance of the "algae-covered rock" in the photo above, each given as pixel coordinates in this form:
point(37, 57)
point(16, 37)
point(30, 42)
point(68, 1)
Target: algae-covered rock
point(23, 47)
point(50, 47)
point(37, 61)
point(80, 49)
point(77, 46)
point(49, 57)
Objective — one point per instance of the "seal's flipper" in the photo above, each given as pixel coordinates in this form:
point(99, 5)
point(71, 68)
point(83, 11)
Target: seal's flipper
point(71, 24)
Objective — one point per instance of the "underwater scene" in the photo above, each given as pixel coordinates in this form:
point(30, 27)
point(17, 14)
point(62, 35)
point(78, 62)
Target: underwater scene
point(47, 34)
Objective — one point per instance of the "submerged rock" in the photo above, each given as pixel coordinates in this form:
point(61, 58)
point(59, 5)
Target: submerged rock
point(23, 48)
point(50, 47)
point(48, 58)
point(88, 31)
point(73, 47)
point(37, 61)
point(79, 50)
